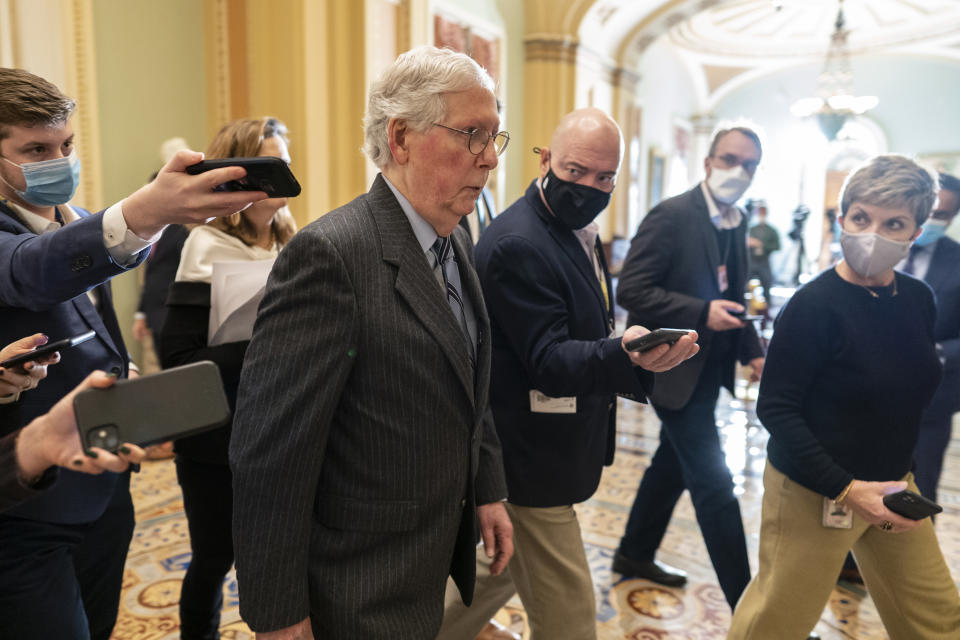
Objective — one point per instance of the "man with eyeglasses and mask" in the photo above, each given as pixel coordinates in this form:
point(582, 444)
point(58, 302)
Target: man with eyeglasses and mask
point(686, 268)
point(935, 259)
point(557, 368)
point(62, 552)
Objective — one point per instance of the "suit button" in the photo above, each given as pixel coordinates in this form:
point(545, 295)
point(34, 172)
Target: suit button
point(81, 262)
point(115, 371)
point(463, 503)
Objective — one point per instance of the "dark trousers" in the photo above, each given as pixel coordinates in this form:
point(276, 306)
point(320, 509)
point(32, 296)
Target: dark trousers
point(208, 504)
point(690, 457)
point(932, 441)
point(64, 580)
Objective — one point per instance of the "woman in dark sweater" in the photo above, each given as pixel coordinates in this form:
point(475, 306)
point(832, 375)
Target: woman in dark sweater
point(256, 233)
point(850, 368)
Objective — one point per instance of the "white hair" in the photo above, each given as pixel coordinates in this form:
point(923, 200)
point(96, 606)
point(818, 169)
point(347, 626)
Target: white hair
point(412, 89)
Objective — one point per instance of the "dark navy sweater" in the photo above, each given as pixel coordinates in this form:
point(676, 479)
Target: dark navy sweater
point(846, 380)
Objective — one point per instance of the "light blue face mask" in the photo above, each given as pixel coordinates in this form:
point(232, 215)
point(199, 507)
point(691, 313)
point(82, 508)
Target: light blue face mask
point(49, 182)
point(933, 230)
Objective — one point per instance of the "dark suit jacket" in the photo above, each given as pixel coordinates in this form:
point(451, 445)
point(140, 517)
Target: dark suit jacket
point(184, 340)
point(159, 273)
point(668, 280)
point(551, 329)
point(43, 284)
point(363, 439)
point(943, 276)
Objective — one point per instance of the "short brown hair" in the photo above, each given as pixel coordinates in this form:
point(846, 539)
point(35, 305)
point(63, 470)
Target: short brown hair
point(28, 100)
point(244, 139)
point(746, 131)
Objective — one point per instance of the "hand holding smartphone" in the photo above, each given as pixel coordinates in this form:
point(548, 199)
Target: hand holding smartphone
point(49, 348)
point(655, 338)
point(264, 173)
point(911, 505)
point(174, 403)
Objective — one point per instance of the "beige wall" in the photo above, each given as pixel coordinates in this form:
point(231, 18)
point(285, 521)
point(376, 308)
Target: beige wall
point(150, 85)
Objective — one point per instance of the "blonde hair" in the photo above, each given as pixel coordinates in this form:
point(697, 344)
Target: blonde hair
point(244, 139)
point(891, 181)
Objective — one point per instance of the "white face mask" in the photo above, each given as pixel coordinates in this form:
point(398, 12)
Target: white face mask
point(870, 254)
point(728, 185)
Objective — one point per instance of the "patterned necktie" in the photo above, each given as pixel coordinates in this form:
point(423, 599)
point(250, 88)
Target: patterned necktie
point(442, 252)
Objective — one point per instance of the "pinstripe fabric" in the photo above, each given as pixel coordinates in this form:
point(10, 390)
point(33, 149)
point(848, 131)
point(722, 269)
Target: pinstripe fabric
point(361, 429)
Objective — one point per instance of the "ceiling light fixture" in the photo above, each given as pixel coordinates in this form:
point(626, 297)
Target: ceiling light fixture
point(836, 101)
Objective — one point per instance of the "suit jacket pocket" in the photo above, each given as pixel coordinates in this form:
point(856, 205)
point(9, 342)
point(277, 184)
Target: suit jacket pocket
point(350, 514)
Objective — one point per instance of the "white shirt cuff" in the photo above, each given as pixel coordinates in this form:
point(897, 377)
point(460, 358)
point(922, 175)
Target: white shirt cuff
point(10, 399)
point(122, 244)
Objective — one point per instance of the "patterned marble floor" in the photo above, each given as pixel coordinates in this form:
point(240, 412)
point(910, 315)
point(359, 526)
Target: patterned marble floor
point(627, 609)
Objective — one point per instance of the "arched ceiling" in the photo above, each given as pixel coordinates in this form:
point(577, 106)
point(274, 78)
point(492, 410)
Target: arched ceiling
point(726, 43)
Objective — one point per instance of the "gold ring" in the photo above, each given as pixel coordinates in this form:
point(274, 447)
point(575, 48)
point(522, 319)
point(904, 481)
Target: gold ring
point(886, 525)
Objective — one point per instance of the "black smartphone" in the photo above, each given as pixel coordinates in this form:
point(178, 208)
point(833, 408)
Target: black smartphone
point(264, 173)
point(48, 348)
point(174, 403)
point(656, 338)
point(743, 315)
point(911, 505)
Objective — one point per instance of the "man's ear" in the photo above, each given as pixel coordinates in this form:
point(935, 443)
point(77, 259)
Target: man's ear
point(544, 161)
point(397, 139)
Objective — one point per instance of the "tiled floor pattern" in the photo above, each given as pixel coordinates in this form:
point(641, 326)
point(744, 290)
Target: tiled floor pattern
point(627, 609)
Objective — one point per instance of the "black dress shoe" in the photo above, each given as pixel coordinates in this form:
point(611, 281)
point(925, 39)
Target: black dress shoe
point(651, 570)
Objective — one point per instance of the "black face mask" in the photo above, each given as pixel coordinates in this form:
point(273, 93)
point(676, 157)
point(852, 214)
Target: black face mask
point(574, 205)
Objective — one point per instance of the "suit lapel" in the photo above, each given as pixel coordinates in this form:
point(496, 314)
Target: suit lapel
point(415, 281)
point(707, 233)
point(570, 244)
point(940, 265)
point(89, 313)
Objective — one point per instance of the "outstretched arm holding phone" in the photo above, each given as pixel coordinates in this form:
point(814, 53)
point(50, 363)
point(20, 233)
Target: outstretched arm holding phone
point(27, 457)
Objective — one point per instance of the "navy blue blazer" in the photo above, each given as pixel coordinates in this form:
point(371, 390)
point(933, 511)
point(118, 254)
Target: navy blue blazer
point(43, 285)
point(943, 276)
point(551, 325)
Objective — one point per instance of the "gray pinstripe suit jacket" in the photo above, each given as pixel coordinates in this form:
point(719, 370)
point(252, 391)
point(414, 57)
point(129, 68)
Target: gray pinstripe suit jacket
point(363, 438)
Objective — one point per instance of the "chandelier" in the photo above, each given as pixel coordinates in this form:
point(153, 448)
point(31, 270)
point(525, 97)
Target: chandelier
point(836, 101)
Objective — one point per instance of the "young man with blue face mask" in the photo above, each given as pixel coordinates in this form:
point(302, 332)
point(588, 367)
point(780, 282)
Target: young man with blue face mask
point(62, 553)
point(935, 259)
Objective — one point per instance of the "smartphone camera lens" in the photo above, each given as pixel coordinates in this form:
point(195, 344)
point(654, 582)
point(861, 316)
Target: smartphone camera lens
point(105, 437)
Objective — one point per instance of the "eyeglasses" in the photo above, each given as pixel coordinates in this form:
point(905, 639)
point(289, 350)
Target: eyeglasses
point(729, 161)
point(478, 139)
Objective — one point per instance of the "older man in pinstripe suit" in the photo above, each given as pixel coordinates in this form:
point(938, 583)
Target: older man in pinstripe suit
point(363, 452)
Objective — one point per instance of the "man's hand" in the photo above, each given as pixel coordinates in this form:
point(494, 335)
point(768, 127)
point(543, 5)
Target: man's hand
point(719, 320)
point(176, 196)
point(497, 532)
point(25, 377)
point(866, 500)
point(300, 631)
point(756, 369)
point(52, 439)
point(754, 243)
point(140, 329)
point(662, 357)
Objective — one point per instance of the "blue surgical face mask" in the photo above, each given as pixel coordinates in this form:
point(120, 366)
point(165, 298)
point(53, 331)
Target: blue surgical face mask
point(49, 182)
point(933, 230)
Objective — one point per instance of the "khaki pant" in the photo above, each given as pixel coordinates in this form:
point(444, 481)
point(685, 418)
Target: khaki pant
point(550, 572)
point(800, 559)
